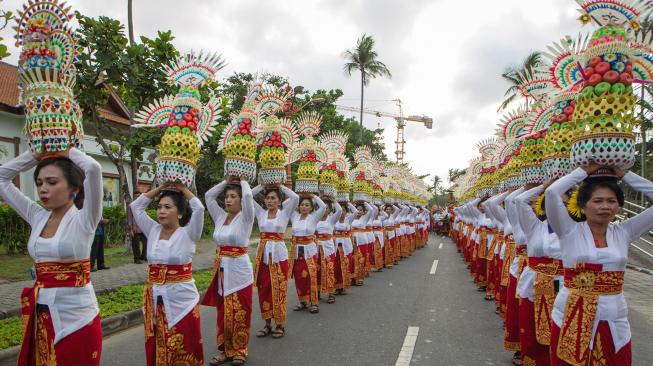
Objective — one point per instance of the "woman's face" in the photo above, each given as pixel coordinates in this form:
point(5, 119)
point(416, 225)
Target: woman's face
point(272, 201)
point(167, 213)
point(232, 201)
point(53, 188)
point(388, 210)
point(360, 210)
point(305, 207)
point(602, 206)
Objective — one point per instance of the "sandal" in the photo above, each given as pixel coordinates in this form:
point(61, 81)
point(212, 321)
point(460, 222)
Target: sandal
point(301, 306)
point(239, 360)
point(489, 298)
point(314, 309)
point(516, 359)
point(331, 299)
point(220, 359)
point(278, 332)
point(266, 331)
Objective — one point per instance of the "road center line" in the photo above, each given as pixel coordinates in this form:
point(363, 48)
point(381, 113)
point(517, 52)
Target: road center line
point(406, 353)
point(440, 247)
point(434, 266)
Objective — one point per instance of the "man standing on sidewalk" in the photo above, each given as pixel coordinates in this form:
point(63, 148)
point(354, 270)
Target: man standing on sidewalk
point(138, 238)
point(97, 249)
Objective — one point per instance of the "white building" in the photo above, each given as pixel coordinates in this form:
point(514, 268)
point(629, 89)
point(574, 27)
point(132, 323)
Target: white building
point(13, 142)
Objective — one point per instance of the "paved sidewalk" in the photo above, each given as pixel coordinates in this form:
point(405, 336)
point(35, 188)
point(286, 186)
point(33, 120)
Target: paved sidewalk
point(638, 289)
point(104, 280)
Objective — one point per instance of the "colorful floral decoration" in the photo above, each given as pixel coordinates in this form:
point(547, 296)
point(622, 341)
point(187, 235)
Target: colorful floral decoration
point(187, 123)
point(276, 136)
point(566, 77)
point(513, 127)
point(361, 188)
point(604, 117)
point(333, 172)
point(46, 76)
point(309, 153)
point(238, 140)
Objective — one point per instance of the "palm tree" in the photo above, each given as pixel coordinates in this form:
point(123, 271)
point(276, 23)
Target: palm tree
point(363, 58)
point(436, 182)
point(515, 76)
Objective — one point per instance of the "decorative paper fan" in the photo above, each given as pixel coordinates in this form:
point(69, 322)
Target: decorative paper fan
point(335, 140)
point(53, 14)
point(534, 84)
point(616, 12)
point(488, 147)
point(341, 161)
point(512, 126)
point(540, 117)
point(270, 100)
point(642, 57)
point(210, 115)
point(194, 69)
point(564, 71)
point(308, 123)
point(363, 155)
point(156, 114)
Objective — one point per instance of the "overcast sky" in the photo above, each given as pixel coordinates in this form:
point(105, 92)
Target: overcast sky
point(446, 56)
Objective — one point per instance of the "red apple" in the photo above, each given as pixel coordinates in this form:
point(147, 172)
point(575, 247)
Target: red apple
point(626, 79)
point(589, 71)
point(182, 123)
point(594, 79)
point(569, 110)
point(611, 76)
point(594, 61)
point(602, 67)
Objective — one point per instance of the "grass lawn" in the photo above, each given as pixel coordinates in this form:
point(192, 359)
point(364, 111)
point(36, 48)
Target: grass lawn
point(115, 302)
point(15, 267)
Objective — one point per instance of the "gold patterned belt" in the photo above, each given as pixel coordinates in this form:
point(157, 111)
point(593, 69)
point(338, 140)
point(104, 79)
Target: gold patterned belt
point(586, 283)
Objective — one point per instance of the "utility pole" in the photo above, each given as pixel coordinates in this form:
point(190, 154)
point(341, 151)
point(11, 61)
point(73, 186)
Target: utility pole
point(401, 141)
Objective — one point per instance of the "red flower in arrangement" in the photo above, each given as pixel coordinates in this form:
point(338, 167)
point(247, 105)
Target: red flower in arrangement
point(360, 176)
point(341, 174)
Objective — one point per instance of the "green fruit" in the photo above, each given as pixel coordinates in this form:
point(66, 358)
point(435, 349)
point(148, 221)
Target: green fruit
point(618, 88)
point(587, 92)
point(602, 88)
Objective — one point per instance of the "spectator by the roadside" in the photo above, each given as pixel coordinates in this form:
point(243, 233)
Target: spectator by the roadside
point(139, 241)
point(97, 249)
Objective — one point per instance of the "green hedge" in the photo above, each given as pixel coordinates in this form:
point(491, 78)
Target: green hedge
point(15, 231)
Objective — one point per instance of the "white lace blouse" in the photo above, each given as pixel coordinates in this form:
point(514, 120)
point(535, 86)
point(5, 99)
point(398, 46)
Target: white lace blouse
point(238, 272)
point(71, 308)
point(276, 248)
point(179, 299)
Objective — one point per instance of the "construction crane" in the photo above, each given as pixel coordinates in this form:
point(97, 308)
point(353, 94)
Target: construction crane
point(400, 142)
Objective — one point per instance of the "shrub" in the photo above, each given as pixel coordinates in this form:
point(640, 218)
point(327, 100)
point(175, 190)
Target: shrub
point(15, 231)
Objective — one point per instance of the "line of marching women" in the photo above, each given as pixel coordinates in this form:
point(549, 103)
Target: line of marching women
point(552, 260)
point(63, 324)
point(334, 243)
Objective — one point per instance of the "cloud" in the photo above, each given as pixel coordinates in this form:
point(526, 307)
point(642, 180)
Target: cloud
point(446, 57)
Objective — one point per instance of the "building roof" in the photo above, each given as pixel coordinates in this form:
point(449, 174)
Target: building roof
point(114, 111)
point(9, 88)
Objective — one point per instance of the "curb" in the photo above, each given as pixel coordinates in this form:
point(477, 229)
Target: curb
point(639, 269)
point(110, 326)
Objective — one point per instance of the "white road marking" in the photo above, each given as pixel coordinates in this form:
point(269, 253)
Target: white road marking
point(440, 247)
point(406, 353)
point(434, 266)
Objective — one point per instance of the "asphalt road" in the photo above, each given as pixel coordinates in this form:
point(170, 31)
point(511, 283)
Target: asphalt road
point(368, 326)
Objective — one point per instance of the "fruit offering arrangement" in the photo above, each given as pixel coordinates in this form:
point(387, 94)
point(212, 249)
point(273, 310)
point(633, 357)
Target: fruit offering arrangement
point(47, 77)
point(557, 142)
point(187, 122)
point(328, 180)
point(361, 188)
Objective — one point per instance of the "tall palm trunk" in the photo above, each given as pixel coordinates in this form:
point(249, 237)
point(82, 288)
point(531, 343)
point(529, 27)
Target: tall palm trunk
point(362, 91)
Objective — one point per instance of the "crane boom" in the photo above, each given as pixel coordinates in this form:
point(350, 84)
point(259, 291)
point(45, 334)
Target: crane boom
point(401, 141)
